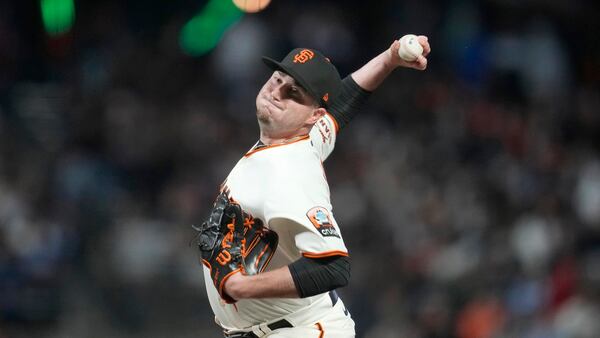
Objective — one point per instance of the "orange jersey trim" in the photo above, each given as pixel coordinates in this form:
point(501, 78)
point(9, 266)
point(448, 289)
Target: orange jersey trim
point(324, 254)
point(335, 122)
point(251, 152)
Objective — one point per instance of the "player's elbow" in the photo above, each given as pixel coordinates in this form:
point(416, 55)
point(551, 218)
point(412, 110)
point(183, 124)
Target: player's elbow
point(315, 276)
point(340, 269)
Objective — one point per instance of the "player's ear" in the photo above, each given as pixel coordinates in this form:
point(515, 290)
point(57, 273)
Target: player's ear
point(316, 115)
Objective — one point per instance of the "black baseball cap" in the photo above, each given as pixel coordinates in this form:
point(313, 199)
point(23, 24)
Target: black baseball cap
point(313, 71)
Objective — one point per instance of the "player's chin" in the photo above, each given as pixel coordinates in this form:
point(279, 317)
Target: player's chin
point(263, 113)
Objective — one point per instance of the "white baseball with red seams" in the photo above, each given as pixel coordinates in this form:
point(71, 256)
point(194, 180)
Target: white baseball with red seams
point(410, 48)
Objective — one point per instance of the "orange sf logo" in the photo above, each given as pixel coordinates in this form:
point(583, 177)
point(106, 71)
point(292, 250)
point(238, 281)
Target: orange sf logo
point(303, 56)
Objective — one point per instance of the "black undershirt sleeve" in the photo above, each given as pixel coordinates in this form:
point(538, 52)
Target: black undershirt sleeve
point(313, 276)
point(348, 102)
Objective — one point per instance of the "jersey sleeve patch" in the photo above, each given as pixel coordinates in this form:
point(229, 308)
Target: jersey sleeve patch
point(321, 220)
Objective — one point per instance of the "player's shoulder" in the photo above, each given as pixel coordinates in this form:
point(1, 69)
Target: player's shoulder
point(323, 136)
point(295, 167)
point(328, 125)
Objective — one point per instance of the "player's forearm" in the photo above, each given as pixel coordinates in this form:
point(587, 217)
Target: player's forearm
point(277, 283)
point(303, 278)
point(374, 72)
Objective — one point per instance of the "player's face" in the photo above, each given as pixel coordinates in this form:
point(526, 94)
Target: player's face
point(283, 107)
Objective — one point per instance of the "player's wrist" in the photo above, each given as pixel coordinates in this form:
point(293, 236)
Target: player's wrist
point(234, 286)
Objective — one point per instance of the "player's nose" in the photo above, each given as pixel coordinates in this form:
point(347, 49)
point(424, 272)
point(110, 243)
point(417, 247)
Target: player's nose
point(276, 92)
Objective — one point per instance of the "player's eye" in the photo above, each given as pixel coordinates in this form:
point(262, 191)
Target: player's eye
point(294, 93)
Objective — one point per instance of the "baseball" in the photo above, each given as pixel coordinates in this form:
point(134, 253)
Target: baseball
point(410, 48)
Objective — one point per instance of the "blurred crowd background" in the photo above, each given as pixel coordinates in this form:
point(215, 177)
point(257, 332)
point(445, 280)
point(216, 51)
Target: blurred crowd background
point(468, 194)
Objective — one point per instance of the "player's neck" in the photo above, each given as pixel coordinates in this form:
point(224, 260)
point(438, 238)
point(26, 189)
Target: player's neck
point(268, 140)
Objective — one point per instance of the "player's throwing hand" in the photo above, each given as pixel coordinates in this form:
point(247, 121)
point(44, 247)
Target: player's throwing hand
point(419, 63)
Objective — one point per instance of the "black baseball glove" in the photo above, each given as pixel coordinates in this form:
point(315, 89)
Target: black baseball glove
point(232, 241)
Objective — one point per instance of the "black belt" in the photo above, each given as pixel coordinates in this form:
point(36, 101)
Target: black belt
point(280, 324)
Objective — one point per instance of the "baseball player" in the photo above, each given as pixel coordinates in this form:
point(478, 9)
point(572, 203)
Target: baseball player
point(272, 250)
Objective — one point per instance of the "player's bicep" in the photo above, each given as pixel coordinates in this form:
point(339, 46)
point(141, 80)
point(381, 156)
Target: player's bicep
point(313, 235)
point(313, 245)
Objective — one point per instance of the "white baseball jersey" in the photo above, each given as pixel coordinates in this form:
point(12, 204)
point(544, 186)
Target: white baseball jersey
point(284, 185)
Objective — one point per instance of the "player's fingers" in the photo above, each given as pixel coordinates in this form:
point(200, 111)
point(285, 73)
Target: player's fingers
point(394, 47)
point(421, 62)
point(424, 41)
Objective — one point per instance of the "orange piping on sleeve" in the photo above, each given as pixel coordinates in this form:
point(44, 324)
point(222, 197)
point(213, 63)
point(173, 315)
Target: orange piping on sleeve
point(324, 254)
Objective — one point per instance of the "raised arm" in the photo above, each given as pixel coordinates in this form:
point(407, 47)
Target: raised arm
point(357, 87)
point(374, 72)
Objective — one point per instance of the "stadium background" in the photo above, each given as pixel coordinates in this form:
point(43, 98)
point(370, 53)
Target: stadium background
point(468, 195)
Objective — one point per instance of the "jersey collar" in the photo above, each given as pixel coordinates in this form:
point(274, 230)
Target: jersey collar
point(259, 146)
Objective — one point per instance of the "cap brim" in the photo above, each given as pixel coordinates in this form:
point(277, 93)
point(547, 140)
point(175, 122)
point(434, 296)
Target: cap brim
point(274, 65)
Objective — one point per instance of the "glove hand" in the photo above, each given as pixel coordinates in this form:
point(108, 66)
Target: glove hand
point(231, 241)
point(232, 286)
point(219, 242)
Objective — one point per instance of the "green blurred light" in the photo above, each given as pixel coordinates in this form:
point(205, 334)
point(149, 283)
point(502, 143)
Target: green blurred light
point(204, 31)
point(58, 16)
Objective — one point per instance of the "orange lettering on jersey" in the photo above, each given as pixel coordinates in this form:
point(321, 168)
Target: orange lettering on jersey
point(303, 56)
point(320, 218)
